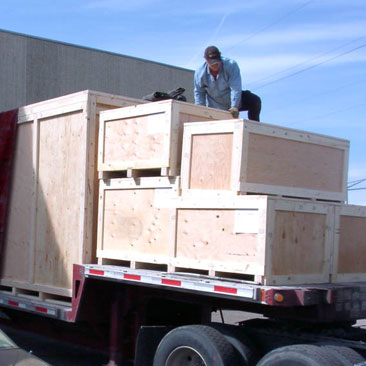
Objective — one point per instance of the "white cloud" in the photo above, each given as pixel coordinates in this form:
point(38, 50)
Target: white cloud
point(120, 5)
point(199, 9)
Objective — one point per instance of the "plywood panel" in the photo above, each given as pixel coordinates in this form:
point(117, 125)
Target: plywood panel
point(208, 235)
point(299, 243)
point(132, 225)
point(15, 261)
point(135, 138)
point(59, 199)
point(211, 161)
point(289, 163)
point(185, 118)
point(352, 245)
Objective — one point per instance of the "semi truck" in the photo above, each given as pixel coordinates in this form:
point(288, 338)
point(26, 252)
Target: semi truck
point(150, 316)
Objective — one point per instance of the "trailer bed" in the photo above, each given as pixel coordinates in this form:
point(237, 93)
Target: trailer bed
point(342, 302)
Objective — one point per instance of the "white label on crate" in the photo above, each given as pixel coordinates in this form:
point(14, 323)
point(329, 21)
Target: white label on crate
point(163, 197)
point(246, 222)
point(155, 124)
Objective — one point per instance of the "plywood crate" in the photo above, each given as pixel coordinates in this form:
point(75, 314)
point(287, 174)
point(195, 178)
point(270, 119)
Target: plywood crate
point(148, 136)
point(250, 157)
point(350, 244)
point(273, 241)
point(135, 224)
point(52, 212)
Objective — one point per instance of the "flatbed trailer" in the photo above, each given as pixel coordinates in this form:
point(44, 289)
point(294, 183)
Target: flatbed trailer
point(149, 316)
point(146, 312)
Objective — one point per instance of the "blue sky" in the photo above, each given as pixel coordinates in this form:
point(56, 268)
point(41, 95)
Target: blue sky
point(305, 58)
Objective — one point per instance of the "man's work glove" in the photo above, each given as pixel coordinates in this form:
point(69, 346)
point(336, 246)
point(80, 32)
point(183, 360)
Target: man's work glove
point(234, 112)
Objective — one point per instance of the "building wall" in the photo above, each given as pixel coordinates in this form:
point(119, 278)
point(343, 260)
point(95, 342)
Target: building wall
point(34, 69)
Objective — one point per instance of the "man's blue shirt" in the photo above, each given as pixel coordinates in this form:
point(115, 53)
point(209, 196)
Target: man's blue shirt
point(222, 93)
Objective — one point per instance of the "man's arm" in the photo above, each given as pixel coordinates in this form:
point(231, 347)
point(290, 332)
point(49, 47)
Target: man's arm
point(199, 92)
point(235, 85)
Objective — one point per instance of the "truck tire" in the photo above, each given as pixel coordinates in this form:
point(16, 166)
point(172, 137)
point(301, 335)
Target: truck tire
point(300, 355)
point(345, 353)
point(197, 345)
point(247, 351)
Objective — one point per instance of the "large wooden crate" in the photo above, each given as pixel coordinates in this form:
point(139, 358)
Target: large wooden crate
point(134, 222)
point(272, 241)
point(349, 263)
point(52, 215)
point(148, 136)
point(251, 157)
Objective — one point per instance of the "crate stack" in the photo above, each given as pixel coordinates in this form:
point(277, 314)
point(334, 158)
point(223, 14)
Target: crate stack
point(139, 163)
point(300, 230)
point(187, 188)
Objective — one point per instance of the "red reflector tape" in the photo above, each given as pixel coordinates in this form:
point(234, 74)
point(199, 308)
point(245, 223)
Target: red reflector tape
point(96, 272)
point(41, 309)
point(227, 290)
point(13, 303)
point(132, 277)
point(171, 282)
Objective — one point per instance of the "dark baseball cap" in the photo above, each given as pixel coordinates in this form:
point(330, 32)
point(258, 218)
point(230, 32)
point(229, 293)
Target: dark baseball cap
point(212, 55)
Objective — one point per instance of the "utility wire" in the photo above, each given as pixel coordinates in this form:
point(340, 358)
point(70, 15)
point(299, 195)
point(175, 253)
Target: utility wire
point(317, 95)
point(355, 183)
point(306, 61)
point(312, 66)
point(270, 25)
point(328, 114)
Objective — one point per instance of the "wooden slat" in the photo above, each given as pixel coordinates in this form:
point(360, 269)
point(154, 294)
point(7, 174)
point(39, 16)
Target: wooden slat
point(15, 252)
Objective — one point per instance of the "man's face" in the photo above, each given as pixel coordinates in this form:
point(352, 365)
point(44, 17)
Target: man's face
point(215, 67)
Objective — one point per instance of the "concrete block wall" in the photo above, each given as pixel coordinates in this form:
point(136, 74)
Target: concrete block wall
point(34, 69)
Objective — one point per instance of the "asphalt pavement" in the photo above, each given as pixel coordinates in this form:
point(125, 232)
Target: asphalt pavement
point(54, 352)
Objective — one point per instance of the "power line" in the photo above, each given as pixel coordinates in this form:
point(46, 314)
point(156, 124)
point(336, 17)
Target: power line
point(355, 183)
point(329, 114)
point(307, 61)
point(271, 24)
point(312, 66)
point(314, 96)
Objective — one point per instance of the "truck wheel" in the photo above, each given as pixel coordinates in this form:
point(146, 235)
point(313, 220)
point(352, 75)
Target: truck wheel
point(247, 351)
point(345, 353)
point(197, 345)
point(300, 355)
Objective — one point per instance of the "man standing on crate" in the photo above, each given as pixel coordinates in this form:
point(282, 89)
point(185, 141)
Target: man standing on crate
point(217, 84)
